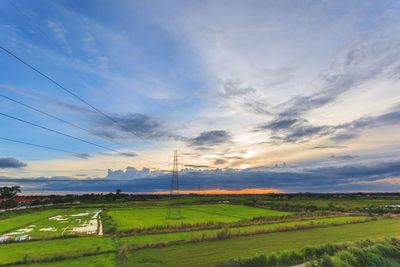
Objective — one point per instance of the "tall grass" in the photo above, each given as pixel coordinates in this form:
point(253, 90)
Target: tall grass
point(362, 253)
point(109, 224)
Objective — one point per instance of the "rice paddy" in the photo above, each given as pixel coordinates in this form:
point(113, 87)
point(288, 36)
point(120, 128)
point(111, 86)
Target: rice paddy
point(69, 236)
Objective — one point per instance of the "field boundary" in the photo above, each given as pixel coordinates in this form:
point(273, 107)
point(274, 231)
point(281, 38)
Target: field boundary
point(226, 234)
point(220, 225)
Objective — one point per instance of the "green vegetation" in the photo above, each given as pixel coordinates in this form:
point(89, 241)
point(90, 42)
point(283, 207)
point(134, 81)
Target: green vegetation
point(49, 250)
point(362, 253)
point(147, 240)
point(102, 260)
point(26, 219)
point(69, 223)
point(212, 252)
point(137, 232)
point(147, 217)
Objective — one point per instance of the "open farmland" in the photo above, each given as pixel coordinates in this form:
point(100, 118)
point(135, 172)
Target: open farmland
point(153, 239)
point(68, 223)
point(147, 217)
point(23, 220)
point(212, 252)
point(143, 236)
point(58, 248)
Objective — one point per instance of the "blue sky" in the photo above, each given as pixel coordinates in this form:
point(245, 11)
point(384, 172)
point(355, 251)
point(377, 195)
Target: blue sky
point(261, 89)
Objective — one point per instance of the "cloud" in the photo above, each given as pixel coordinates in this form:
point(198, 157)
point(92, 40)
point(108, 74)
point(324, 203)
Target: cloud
point(328, 146)
point(211, 138)
point(234, 89)
point(290, 130)
point(371, 56)
point(82, 155)
point(294, 130)
point(219, 162)
point(11, 163)
point(354, 129)
point(196, 166)
point(130, 173)
point(129, 125)
point(59, 32)
point(351, 177)
point(128, 154)
point(280, 124)
point(44, 97)
point(343, 157)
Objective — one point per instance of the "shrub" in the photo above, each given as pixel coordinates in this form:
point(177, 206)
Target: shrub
point(347, 257)
point(272, 259)
point(258, 261)
point(326, 261)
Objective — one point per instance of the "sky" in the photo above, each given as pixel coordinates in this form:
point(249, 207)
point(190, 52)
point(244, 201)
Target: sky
point(257, 96)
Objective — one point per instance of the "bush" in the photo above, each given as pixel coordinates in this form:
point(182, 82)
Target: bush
point(326, 261)
point(347, 257)
point(363, 253)
point(258, 261)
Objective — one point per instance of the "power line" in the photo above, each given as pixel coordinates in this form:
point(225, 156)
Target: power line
point(79, 155)
point(73, 94)
point(9, 116)
point(55, 117)
point(57, 132)
point(69, 123)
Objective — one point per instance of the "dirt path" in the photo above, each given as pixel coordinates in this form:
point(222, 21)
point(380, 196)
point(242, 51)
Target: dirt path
point(100, 225)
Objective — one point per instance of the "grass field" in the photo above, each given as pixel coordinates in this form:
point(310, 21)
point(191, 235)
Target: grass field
point(141, 240)
point(146, 217)
point(70, 222)
point(345, 204)
point(210, 252)
point(71, 247)
point(18, 252)
point(198, 250)
point(22, 220)
point(102, 260)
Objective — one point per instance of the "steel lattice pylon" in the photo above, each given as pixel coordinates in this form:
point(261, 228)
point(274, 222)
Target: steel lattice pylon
point(174, 190)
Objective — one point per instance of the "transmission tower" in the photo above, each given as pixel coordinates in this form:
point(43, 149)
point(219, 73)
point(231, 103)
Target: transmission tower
point(174, 190)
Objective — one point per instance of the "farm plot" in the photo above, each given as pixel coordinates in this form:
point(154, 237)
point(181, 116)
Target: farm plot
point(147, 217)
point(69, 223)
point(212, 252)
point(144, 240)
point(45, 250)
point(19, 221)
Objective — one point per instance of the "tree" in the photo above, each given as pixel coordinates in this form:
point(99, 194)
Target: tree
point(9, 192)
point(118, 191)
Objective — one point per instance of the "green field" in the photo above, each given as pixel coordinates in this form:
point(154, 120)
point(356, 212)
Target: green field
point(69, 247)
point(68, 223)
point(210, 252)
point(184, 241)
point(22, 220)
point(152, 239)
point(17, 252)
point(102, 260)
point(146, 217)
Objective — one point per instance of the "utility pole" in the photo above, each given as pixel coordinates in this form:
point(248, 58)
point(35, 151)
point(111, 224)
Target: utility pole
point(174, 189)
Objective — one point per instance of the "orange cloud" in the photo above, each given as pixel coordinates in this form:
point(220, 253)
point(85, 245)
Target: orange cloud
point(229, 192)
